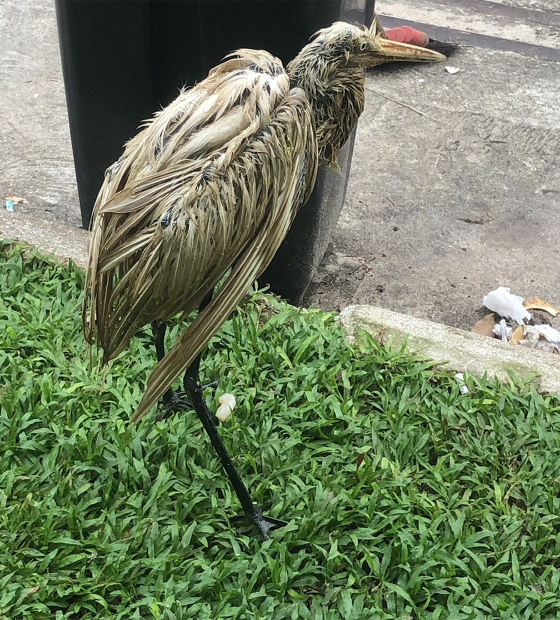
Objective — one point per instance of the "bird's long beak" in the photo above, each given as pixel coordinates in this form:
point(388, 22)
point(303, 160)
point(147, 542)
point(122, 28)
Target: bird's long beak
point(390, 51)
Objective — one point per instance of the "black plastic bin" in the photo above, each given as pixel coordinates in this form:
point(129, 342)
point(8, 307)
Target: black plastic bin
point(124, 59)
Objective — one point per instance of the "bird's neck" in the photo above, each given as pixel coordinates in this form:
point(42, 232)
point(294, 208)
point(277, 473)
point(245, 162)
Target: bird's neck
point(336, 93)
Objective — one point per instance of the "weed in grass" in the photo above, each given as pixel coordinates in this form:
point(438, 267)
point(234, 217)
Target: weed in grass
point(406, 498)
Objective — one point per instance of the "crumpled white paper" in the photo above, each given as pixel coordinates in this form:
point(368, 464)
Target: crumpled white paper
point(506, 304)
point(460, 378)
point(546, 331)
point(503, 331)
point(227, 405)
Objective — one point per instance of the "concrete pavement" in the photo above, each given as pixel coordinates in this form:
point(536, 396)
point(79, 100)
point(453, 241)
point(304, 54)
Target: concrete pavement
point(454, 188)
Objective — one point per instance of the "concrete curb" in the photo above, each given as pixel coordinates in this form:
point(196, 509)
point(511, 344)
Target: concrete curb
point(61, 242)
point(457, 350)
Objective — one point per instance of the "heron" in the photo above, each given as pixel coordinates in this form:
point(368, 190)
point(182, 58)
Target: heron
point(204, 195)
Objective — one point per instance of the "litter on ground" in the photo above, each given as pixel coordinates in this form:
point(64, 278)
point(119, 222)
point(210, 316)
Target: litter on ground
point(511, 321)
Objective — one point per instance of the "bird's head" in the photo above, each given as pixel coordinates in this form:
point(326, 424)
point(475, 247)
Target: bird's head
point(366, 47)
point(331, 71)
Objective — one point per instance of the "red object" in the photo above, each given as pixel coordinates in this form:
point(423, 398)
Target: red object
point(406, 34)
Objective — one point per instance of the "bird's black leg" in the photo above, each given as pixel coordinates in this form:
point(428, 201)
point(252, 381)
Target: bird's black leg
point(193, 388)
point(158, 329)
point(172, 401)
point(176, 401)
point(194, 392)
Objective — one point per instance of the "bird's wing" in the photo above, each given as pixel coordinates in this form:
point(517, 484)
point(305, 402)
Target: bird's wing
point(283, 173)
point(257, 255)
point(213, 182)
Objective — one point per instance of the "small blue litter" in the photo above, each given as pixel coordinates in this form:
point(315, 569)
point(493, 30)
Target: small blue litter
point(10, 205)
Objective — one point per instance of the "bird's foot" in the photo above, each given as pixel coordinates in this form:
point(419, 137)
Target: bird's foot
point(263, 523)
point(178, 402)
point(174, 402)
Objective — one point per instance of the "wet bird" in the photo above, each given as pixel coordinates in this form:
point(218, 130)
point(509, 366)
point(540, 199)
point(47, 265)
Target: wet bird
point(207, 191)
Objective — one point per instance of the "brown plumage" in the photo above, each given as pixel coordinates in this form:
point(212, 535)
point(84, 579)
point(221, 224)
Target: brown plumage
point(212, 183)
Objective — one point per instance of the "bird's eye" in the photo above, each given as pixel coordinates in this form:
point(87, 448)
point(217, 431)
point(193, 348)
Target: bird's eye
point(363, 46)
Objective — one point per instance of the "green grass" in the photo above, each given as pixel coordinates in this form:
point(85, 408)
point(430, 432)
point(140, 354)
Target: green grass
point(406, 498)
